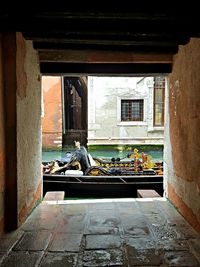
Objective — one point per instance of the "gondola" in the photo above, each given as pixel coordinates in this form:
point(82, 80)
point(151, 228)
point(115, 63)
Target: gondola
point(81, 173)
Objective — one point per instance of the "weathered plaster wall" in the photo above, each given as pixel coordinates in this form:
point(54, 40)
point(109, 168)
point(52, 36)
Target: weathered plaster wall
point(104, 111)
point(2, 145)
point(52, 113)
point(182, 167)
point(29, 146)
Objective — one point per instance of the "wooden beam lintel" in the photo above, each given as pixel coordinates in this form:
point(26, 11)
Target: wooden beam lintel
point(120, 69)
point(88, 56)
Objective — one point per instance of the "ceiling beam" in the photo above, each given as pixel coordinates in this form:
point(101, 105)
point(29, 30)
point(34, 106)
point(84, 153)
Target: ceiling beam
point(137, 47)
point(127, 69)
point(89, 56)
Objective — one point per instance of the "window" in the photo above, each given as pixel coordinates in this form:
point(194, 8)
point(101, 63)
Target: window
point(132, 110)
point(159, 98)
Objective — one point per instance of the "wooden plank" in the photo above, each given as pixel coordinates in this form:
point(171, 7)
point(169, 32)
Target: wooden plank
point(88, 56)
point(147, 193)
point(144, 47)
point(54, 195)
point(104, 69)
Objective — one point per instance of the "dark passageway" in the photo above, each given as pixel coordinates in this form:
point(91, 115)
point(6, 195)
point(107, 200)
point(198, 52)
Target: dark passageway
point(144, 39)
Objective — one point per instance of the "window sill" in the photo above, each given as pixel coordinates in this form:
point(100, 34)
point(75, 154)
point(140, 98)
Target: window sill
point(132, 123)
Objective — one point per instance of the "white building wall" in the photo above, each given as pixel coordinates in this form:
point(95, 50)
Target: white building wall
point(104, 111)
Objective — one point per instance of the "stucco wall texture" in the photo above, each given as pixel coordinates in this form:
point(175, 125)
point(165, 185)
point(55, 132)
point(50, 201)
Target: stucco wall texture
point(2, 146)
point(104, 111)
point(28, 128)
point(184, 126)
point(52, 113)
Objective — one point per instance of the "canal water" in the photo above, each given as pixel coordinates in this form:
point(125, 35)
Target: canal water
point(157, 155)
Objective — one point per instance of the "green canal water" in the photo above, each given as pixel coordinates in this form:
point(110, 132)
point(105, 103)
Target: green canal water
point(157, 153)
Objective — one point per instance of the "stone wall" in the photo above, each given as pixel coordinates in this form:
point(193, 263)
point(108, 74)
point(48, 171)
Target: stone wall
point(182, 160)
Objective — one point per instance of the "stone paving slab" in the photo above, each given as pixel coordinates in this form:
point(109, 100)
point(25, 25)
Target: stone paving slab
point(143, 257)
point(13, 234)
point(117, 233)
point(173, 245)
point(134, 221)
point(162, 232)
point(129, 211)
point(135, 231)
point(2, 254)
point(22, 259)
point(147, 206)
point(185, 231)
point(126, 204)
point(54, 195)
point(43, 216)
point(92, 230)
point(109, 207)
point(155, 218)
point(39, 224)
point(168, 210)
point(66, 242)
point(74, 209)
point(46, 212)
point(194, 245)
point(180, 221)
point(181, 259)
point(71, 224)
point(103, 221)
point(54, 209)
point(140, 243)
point(6, 243)
point(106, 258)
point(102, 241)
point(9, 240)
point(33, 241)
point(59, 259)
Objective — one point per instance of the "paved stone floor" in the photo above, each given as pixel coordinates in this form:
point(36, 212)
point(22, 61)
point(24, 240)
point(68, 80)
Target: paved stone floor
point(115, 232)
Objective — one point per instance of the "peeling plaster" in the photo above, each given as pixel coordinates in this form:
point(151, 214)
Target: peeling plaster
point(182, 139)
point(29, 144)
point(20, 66)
